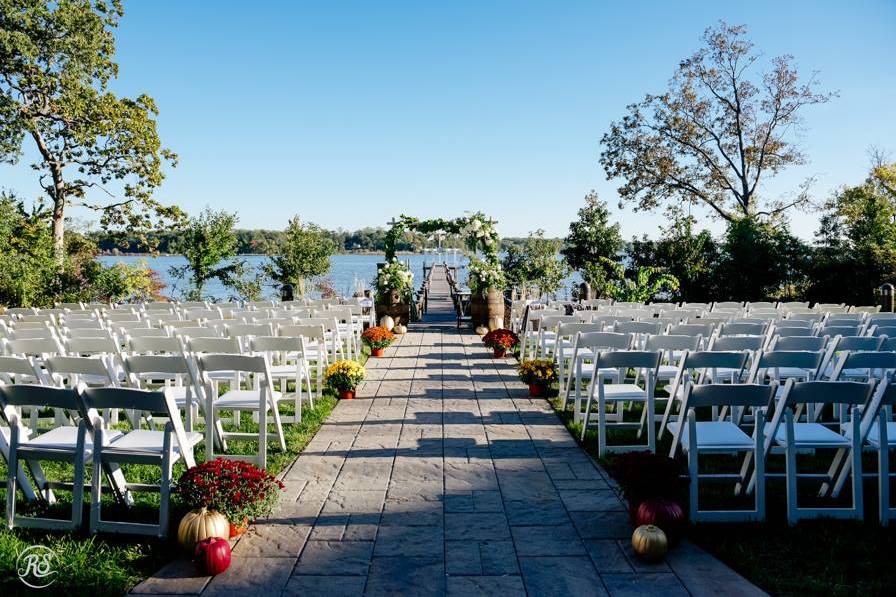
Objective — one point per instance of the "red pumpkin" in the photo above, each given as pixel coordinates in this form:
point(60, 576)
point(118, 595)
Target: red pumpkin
point(212, 556)
point(664, 514)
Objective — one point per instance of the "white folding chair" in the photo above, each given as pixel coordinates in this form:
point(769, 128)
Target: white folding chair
point(286, 356)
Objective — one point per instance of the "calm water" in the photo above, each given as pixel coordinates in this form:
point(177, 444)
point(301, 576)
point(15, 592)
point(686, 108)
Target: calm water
point(346, 271)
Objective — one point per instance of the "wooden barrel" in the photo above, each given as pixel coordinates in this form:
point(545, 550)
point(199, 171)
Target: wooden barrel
point(494, 309)
point(400, 312)
point(478, 309)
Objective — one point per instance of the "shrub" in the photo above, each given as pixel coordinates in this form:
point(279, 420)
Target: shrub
point(501, 339)
point(538, 371)
point(238, 490)
point(377, 337)
point(344, 375)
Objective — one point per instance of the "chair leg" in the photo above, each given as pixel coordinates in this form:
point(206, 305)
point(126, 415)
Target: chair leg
point(165, 495)
point(96, 488)
point(790, 455)
point(883, 470)
point(694, 486)
point(11, 468)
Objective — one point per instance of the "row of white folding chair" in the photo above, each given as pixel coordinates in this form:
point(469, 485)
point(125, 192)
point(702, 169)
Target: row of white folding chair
point(91, 440)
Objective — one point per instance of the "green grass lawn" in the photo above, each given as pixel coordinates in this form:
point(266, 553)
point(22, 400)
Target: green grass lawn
point(818, 557)
point(111, 564)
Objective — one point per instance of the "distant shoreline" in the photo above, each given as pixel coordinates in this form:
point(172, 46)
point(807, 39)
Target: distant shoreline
point(126, 254)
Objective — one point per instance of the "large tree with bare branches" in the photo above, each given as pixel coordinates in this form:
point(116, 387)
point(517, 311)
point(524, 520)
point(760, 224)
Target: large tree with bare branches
point(93, 148)
point(716, 133)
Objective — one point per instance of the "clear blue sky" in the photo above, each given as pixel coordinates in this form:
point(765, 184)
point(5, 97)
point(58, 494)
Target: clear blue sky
point(348, 113)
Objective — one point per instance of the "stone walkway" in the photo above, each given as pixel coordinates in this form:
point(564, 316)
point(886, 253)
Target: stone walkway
point(443, 477)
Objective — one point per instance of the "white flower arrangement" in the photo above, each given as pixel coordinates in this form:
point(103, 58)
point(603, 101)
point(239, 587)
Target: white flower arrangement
point(483, 275)
point(481, 235)
point(395, 275)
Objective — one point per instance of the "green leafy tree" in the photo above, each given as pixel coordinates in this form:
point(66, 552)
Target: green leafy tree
point(761, 260)
point(536, 262)
point(715, 133)
point(646, 283)
point(304, 253)
point(209, 246)
point(592, 238)
point(856, 242)
point(56, 65)
point(691, 256)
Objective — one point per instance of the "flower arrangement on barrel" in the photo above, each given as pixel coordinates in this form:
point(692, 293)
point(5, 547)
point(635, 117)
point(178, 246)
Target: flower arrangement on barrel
point(224, 497)
point(539, 374)
point(501, 341)
point(377, 338)
point(394, 281)
point(344, 377)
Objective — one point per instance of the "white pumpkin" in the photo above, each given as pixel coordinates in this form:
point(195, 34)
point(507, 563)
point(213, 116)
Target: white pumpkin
point(400, 329)
point(197, 525)
point(482, 330)
point(387, 322)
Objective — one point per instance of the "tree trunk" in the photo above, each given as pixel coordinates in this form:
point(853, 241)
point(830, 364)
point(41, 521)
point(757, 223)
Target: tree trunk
point(59, 232)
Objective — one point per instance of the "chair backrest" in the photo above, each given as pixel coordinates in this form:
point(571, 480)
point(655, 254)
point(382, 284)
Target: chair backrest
point(604, 340)
point(119, 316)
point(196, 332)
point(742, 329)
point(629, 359)
point(785, 331)
point(878, 364)
point(146, 333)
point(737, 394)
point(19, 395)
point(156, 345)
point(89, 346)
point(884, 330)
point(311, 332)
point(282, 344)
point(166, 366)
point(778, 359)
point(701, 360)
point(692, 329)
point(841, 330)
point(229, 346)
point(827, 392)
point(638, 327)
point(240, 330)
point(569, 330)
point(82, 324)
point(807, 317)
point(20, 333)
point(233, 362)
point(861, 343)
point(763, 305)
point(12, 368)
point(670, 342)
point(33, 347)
point(888, 344)
point(71, 368)
point(814, 343)
point(143, 324)
point(738, 343)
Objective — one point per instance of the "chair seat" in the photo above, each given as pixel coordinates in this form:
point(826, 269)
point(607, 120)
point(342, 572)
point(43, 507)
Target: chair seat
point(242, 399)
point(147, 441)
point(65, 438)
point(716, 435)
point(623, 391)
point(812, 435)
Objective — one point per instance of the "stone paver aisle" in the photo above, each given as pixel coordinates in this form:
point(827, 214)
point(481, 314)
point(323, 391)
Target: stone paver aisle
point(444, 477)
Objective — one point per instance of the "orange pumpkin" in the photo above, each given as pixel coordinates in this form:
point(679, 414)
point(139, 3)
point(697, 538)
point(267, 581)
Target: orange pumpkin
point(650, 543)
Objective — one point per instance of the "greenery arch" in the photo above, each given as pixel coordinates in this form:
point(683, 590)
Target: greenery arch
point(480, 235)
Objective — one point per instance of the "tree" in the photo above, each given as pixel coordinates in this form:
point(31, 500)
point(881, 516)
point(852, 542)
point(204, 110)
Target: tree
point(856, 242)
point(56, 63)
point(690, 256)
point(761, 260)
point(715, 133)
point(209, 246)
point(304, 253)
point(536, 262)
point(643, 286)
point(591, 238)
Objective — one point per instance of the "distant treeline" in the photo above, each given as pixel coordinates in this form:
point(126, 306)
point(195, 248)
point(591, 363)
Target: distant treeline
point(266, 241)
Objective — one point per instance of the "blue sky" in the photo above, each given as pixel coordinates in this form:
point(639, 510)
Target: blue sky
point(348, 113)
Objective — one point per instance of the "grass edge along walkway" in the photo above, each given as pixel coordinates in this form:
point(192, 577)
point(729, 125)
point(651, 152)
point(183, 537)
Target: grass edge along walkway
point(112, 565)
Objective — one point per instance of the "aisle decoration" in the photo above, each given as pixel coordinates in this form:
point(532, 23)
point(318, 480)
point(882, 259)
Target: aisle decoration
point(377, 339)
point(200, 524)
point(500, 341)
point(539, 374)
point(650, 543)
point(344, 377)
point(239, 490)
point(662, 513)
point(212, 556)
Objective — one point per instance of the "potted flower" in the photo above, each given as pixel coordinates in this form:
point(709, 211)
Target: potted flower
point(344, 377)
point(239, 490)
point(377, 338)
point(500, 341)
point(539, 374)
